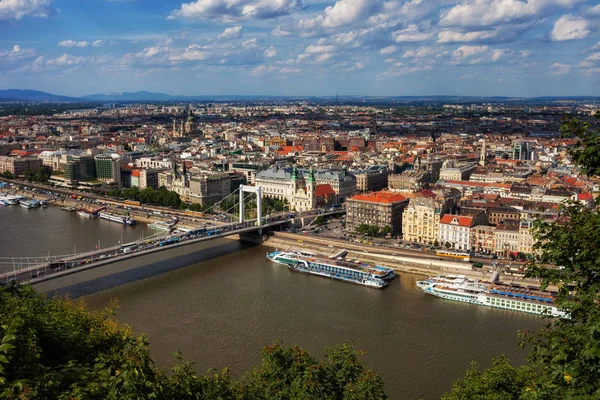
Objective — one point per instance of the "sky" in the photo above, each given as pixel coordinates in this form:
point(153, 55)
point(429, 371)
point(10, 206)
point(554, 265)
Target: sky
point(302, 47)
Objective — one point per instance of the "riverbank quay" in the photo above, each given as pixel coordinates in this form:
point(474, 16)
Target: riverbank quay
point(416, 264)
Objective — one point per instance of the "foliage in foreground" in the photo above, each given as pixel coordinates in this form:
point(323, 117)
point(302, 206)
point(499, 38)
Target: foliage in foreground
point(564, 361)
point(58, 349)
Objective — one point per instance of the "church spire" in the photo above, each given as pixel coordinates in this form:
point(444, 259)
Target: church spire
point(311, 175)
point(482, 156)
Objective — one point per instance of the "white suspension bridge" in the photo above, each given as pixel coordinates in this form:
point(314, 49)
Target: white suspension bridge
point(239, 213)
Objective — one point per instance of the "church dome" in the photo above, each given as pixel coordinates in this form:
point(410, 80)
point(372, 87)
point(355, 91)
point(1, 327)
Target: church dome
point(190, 117)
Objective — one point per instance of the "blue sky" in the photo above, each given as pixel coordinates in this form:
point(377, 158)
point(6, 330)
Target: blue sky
point(302, 47)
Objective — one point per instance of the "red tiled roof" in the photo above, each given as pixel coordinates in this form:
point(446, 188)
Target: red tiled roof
point(462, 220)
point(386, 197)
point(585, 196)
point(324, 190)
point(136, 173)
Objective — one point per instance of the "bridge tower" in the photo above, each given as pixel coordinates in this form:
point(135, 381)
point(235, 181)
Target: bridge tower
point(256, 190)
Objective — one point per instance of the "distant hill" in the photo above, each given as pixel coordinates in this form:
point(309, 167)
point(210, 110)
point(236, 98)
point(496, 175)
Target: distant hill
point(35, 95)
point(142, 96)
point(151, 96)
point(132, 96)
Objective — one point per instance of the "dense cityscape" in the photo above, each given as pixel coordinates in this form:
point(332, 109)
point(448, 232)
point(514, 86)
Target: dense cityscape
point(295, 200)
point(466, 177)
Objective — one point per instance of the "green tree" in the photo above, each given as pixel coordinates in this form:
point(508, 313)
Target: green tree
point(363, 229)
point(58, 349)
point(501, 381)
point(291, 373)
point(387, 230)
point(564, 361)
point(7, 175)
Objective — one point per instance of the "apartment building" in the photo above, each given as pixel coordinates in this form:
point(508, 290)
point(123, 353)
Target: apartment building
point(382, 208)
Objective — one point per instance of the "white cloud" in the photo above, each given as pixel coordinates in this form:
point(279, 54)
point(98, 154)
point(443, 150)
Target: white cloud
point(345, 38)
point(289, 70)
point(73, 43)
point(345, 12)
point(17, 9)
point(191, 53)
point(280, 32)
point(16, 53)
point(569, 27)
point(231, 33)
point(492, 12)
point(389, 50)
point(594, 11)
point(98, 43)
point(560, 69)
point(152, 51)
point(419, 53)
point(479, 54)
point(591, 60)
point(65, 60)
point(312, 49)
point(235, 10)
point(448, 36)
point(411, 34)
point(323, 57)
point(270, 52)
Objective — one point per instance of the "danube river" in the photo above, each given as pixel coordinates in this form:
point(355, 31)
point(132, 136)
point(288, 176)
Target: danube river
point(30, 235)
point(221, 312)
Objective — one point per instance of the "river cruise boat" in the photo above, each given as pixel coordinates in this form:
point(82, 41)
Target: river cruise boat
point(162, 226)
point(511, 297)
point(29, 203)
point(9, 200)
point(85, 214)
point(344, 270)
point(122, 219)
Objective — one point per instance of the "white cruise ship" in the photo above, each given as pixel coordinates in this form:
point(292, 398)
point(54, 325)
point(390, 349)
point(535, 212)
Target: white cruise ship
point(354, 272)
point(122, 219)
point(510, 297)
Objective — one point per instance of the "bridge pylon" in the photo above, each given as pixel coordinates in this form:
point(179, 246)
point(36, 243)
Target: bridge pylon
point(256, 190)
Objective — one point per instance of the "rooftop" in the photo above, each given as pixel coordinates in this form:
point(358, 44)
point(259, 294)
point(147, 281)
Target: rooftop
point(386, 197)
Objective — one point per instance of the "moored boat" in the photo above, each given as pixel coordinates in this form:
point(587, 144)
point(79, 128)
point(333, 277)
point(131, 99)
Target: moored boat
point(499, 295)
point(349, 271)
point(29, 203)
point(85, 214)
point(123, 219)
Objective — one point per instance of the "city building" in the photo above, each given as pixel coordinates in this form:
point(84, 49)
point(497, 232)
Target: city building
point(408, 181)
point(18, 166)
point(108, 169)
point(277, 181)
point(498, 215)
point(80, 168)
point(526, 240)
point(189, 127)
point(371, 179)
point(521, 151)
point(507, 238)
point(248, 169)
point(456, 171)
point(208, 188)
point(421, 219)
point(304, 191)
point(483, 239)
point(455, 231)
point(382, 209)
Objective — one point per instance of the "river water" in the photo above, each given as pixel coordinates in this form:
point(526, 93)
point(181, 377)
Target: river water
point(221, 312)
point(37, 233)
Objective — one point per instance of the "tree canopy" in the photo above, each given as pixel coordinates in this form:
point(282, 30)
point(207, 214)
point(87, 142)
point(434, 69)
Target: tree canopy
point(564, 358)
point(58, 349)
